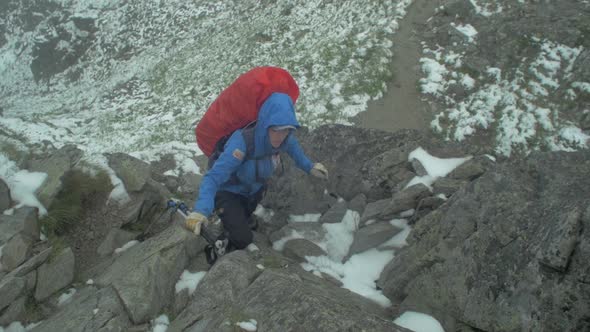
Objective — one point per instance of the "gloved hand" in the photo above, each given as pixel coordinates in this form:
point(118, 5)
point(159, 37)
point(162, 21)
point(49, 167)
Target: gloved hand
point(193, 222)
point(319, 171)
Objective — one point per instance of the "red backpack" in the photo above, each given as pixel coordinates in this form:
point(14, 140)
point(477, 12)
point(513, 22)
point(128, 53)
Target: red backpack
point(239, 103)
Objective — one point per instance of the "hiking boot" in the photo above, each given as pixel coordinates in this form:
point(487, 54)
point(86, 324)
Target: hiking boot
point(253, 223)
point(210, 254)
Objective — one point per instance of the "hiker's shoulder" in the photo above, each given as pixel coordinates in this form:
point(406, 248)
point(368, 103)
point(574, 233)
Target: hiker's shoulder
point(236, 140)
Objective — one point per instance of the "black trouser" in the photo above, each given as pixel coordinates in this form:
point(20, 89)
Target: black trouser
point(237, 211)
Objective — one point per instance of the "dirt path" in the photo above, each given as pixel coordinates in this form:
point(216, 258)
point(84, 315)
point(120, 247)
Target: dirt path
point(401, 107)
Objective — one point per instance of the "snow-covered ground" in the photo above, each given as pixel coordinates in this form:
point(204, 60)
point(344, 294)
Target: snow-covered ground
point(522, 106)
point(154, 67)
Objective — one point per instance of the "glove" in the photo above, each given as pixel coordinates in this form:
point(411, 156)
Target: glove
point(319, 171)
point(194, 221)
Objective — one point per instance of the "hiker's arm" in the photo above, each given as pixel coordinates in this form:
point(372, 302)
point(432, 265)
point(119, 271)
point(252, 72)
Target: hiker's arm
point(296, 153)
point(228, 162)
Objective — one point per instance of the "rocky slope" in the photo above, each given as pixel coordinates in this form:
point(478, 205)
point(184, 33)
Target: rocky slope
point(504, 252)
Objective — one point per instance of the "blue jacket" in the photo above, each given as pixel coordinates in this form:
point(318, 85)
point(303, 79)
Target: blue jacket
point(277, 110)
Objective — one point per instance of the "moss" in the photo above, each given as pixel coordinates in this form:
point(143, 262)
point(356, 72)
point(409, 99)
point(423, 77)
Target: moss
point(78, 192)
point(58, 244)
point(33, 311)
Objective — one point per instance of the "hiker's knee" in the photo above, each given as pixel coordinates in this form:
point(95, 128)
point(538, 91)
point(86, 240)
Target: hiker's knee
point(241, 238)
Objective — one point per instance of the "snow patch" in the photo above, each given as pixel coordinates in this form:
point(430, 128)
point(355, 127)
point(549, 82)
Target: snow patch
point(189, 281)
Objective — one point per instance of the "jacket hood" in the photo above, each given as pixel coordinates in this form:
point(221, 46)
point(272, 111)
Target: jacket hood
point(277, 110)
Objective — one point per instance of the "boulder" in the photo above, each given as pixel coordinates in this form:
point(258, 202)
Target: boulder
point(374, 210)
point(10, 289)
point(471, 169)
point(431, 202)
point(144, 275)
point(5, 199)
point(405, 200)
point(311, 231)
point(134, 173)
point(116, 238)
point(358, 204)
point(505, 253)
point(24, 221)
point(146, 205)
point(298, 249)
point(14, 312)
point(32, 263)
point(222, 285)
point(285, 301)
point(189, 184)
point(335, 213)
point(166, 163)
point(447, 186)
point(418, 168)
point(16, 251)
point(55, 165)
point(90, 309)
point(55, 274)
point(372, 236)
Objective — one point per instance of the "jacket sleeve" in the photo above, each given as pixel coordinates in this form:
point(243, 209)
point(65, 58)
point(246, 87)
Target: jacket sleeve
point(296, 153)
point(232, 157)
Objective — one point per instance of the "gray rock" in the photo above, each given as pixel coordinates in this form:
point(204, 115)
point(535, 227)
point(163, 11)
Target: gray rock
point(55, 165)
point(16, 251)
point(284, 301)
point(374, 210)
point(458, 8)
point(297, 249)
point(89, 310)
point(585, 121)
point(358, 204)
point(146, 205)
point(189, 184)
point(471, 169)
point(359, 160)
point(418, 167)
point(55, 274)
point(222, 285)
point(5, 199)
point(144, 276)
point(10, 289)
point(30, 220)
point(372, 236)
point(335, 213)
point(561, 240)
point(116, 238)
point(181, 300)
point(405, 200)
point(15, 312)
point(171, 183)
point(447, 186)
point(31, 281)
point(24, 220)
point(159, 167)
point(202, 161)
point(311, 231)
point(431, 202)
point(523, 219)
point(133, 172)
point(32, 264)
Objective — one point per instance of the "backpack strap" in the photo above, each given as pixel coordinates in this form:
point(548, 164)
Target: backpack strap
point(248, 134)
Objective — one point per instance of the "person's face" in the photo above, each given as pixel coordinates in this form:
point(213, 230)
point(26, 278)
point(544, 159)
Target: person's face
point(277, 137)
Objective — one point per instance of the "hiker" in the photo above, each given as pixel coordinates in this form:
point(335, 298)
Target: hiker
point(236, 182)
